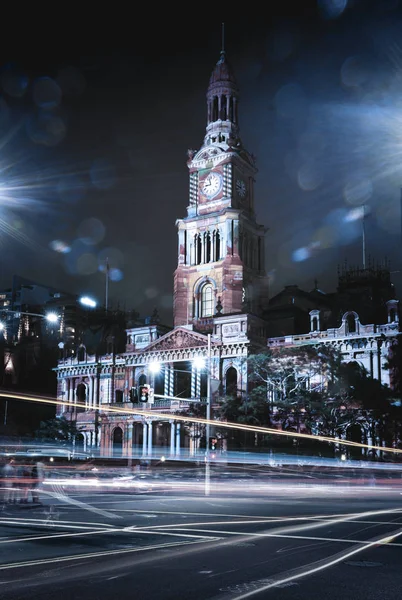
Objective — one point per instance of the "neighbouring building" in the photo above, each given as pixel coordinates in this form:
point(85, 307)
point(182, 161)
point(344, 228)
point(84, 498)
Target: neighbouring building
point(222, 310)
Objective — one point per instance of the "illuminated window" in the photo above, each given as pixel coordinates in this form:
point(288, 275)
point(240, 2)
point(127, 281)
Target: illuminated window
point(207, 301)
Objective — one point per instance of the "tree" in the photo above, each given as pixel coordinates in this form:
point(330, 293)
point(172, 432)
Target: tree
point(60, 429)
point(282, 373)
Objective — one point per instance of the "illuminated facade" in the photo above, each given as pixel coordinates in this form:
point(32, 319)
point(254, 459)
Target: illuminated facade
point(221, 295)
point(220, 288)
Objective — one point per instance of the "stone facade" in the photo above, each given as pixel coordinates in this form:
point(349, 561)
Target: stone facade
point(221, 311)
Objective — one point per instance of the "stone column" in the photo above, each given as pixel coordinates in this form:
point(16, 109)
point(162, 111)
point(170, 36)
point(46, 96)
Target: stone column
point(150, 438)
point(144, 438)
point(171, 380)
point(89, 398)
point(96, 388)
point(129, 435)
point(172, 437)
point(177, 439)
point(193, 380)
point(166, 380)
point(71, 393)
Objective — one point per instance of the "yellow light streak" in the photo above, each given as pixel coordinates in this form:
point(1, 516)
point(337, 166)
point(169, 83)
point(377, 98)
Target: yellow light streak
point(223, 424)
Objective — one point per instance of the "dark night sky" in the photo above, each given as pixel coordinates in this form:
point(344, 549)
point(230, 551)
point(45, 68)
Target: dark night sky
point(96, 120)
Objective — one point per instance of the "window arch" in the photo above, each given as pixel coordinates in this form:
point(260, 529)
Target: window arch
point(231, 381)
point(207, 300)
point(351, 323)
point(81, 392)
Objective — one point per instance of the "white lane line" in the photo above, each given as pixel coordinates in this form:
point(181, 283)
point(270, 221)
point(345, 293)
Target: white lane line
point(285, 536)
point(321, 565)
point(59, 559)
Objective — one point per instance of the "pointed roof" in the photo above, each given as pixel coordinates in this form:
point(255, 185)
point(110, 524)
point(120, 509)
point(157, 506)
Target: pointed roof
point(222, 72)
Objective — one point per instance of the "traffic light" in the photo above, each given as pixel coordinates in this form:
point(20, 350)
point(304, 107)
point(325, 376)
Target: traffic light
point(134, 395)
point(146, 393)
point(213, 443)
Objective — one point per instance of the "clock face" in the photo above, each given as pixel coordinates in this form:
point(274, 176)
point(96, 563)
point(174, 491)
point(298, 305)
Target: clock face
point(241, 188)
point(212, 185)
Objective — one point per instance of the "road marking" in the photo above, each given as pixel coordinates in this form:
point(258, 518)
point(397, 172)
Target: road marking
point(59, 559)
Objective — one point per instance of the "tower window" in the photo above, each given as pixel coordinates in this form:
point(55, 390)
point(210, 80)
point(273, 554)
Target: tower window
point(217, 245)
point(207, 301)
point(208, 247)
point(351, 324)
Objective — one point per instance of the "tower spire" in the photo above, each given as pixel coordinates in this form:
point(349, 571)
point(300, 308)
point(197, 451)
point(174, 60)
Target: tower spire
point(223, 39)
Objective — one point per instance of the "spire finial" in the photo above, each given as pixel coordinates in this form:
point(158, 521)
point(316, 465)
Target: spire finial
point(223, 39)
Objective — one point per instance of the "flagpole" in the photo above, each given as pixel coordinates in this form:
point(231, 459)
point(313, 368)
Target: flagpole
point(107, 285)
point(364, 236)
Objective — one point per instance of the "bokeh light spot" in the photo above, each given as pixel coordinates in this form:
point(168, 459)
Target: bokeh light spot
point(309, 177)
point(71, 81)
point(87, 264)
point(151, 292)
point(332, 9)
point(358, 191)
point(102, 174)
point(354, 71)
point(301, 254)
point(14, 83)
point(290, 101)
point(60, 246)
point(46, 93)
point(46, 128)
point(91, 231)
point(116, 275)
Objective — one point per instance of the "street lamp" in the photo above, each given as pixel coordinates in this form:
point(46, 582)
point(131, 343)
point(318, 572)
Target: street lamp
point(87, 301)
point(50, 317)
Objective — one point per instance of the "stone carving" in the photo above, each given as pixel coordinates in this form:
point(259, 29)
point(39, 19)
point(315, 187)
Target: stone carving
point(230, 330)
point(179, 339)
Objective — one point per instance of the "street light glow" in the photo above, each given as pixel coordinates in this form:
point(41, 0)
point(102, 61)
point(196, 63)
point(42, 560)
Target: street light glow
point(2, 326)
point(87, 301)
point(154, 367)
point(52, 317)
point(199, 362)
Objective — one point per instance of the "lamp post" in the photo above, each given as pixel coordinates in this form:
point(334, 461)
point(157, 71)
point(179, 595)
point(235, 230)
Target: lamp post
point(50, 317)
point(208, 426)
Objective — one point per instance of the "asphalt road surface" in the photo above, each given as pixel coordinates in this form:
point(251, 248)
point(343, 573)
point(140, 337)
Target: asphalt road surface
point(291, 540)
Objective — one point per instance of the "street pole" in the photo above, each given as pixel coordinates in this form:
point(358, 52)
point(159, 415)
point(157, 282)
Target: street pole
point(208, 426)
point(107, 286)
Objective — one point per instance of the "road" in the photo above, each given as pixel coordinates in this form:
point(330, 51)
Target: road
point(293, 541)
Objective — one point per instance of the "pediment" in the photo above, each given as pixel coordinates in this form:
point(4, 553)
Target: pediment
point(179, 338)
point(210, 152)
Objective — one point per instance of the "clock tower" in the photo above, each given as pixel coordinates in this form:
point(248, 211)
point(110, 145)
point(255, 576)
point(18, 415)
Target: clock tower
point(221, 246)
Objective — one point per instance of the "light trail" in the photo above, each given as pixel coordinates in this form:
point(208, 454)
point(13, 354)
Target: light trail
point(321, 565)
point(286, 536)
point(223, 424)
point(107, 553)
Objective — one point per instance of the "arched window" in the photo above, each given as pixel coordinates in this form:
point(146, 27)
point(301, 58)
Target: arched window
point(198, 250)
point(117, 441)
point(207, 247)
point(81, 354)
point(231, 382)
point(392, 315)
point(81, 392)
point(314, 326)
point(351, 323)
point(207, 301)
point(217, 245)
